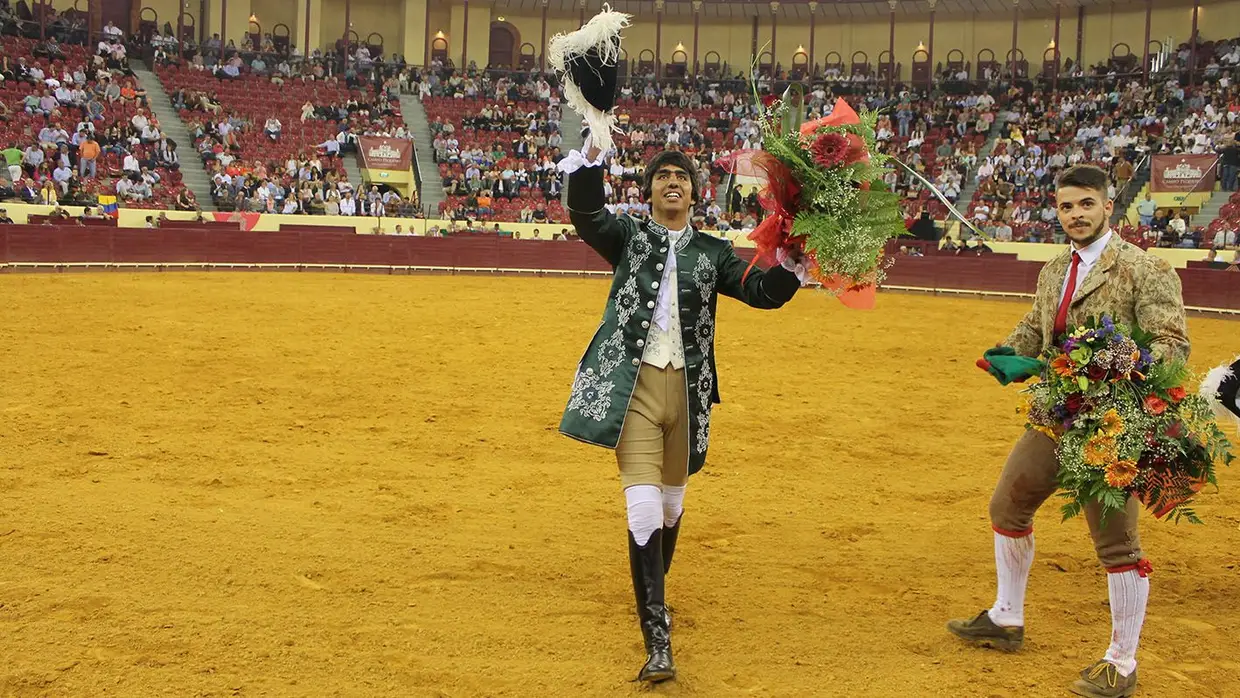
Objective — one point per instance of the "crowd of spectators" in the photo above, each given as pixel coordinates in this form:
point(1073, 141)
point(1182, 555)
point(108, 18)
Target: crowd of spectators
point(271, 125)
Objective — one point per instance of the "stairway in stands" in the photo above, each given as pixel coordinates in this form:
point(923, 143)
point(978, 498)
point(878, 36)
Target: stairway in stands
point(192, 173)
point(570, 130)
point(353, 169)
point(417, 124)
point(1210, 209)
point(970, 184)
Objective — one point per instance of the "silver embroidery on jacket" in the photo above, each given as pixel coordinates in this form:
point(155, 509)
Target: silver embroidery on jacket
point(611, 353)
point(704, 276)
point(704, 389)
point(640, 248)
point(591, 396)
point(627, 300)
point(704, 331)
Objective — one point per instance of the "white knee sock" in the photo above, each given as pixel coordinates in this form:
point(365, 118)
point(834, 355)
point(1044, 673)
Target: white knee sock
point(673, 504)
point(1129, 594)
point(1013, 558)
point(645, 507)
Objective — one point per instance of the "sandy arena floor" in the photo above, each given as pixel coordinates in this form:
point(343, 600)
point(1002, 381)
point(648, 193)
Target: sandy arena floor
point(319, 485)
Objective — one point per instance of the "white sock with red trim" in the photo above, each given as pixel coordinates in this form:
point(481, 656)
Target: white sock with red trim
point(1013, 558)
point(1129, 594)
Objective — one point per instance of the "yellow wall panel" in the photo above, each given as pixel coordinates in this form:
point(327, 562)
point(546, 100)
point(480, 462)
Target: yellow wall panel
point(272, 12)
point(830, 36)
point(366, 16)
point(791, 37)
point(402, 24)
point(165, 9)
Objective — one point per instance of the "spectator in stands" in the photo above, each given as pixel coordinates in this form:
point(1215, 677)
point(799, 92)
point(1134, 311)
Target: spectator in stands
point(1229, 159)
point(185, 201)
point(1225, 237)
point(272, 128)
point(1146, 209)
point(47, 193)
point(4, 214)
point(61, 176)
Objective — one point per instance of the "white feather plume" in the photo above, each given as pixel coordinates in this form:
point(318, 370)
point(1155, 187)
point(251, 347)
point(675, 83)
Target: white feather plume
point(1209, 390)
point(601, 33)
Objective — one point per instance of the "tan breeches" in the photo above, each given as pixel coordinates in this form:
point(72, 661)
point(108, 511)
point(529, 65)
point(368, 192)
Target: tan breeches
point(654, 444)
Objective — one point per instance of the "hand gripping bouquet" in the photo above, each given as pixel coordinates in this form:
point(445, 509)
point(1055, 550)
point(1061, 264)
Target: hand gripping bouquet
point(821, 186)
point(1125, 423)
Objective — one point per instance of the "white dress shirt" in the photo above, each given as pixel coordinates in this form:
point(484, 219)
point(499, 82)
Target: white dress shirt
point(1089, 257)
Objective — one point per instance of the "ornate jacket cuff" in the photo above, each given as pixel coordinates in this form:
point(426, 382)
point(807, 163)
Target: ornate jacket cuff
point(575, 160)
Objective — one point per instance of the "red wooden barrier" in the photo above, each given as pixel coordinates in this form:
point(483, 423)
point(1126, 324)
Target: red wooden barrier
point(222, 244)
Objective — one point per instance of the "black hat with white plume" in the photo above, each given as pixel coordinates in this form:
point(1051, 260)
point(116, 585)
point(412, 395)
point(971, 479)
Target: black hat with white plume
point(587, 62)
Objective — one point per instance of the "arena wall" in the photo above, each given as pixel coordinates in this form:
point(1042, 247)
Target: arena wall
point(404, 26)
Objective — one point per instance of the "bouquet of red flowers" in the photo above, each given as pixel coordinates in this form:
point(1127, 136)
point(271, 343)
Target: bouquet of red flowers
point(1126, 425)
point(822, 189)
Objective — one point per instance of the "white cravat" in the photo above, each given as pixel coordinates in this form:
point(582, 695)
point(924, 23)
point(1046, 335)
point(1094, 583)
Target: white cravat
point(667, 285)
point(664, 344)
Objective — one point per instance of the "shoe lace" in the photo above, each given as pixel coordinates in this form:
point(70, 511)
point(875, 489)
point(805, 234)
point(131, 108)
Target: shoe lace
point(1112, 674)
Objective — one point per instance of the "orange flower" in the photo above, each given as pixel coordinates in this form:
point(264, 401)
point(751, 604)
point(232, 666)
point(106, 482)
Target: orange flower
point(1155, 404)
point(1121, 473)
point(1062, 365)
point(1099, 451)
point(1177, 393)
point(1112, 424)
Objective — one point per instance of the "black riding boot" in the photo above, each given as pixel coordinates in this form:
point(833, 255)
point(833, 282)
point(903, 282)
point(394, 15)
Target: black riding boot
point(646, 566)
point(669, 544)
point(669, 549)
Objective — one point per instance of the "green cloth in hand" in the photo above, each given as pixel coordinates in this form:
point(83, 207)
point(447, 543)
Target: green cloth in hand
point(1007, 367)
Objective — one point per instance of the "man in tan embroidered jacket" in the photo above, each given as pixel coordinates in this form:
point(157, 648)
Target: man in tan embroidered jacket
point(646, 383)
point(1099, 274)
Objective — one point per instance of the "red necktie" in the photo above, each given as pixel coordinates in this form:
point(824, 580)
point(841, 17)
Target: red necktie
point(1061, 317)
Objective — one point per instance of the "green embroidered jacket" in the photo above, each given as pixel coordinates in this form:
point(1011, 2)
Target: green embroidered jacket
point(706, 266)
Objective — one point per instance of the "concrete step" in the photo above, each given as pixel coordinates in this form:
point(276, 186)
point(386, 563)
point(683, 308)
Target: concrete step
point(432, 193)
point(970, 185)
point(571, 124)
point(1210, 209)
point(194, 177)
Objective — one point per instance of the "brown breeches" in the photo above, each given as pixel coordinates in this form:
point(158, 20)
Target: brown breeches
point(1028, 480)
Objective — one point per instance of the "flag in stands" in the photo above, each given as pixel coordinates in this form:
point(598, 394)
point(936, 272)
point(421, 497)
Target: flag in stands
point(107, 202)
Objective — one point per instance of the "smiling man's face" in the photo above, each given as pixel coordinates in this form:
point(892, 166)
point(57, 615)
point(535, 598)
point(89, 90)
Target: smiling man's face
point(671, 190)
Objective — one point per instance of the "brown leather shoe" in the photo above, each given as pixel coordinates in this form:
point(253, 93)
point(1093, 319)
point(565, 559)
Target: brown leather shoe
point(981, 630)
point(1102, 680)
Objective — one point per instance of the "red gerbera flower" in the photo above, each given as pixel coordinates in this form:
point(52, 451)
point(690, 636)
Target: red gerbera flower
point(830, 149)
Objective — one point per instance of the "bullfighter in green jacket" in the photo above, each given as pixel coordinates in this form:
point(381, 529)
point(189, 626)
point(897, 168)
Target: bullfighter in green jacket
point(646, 383)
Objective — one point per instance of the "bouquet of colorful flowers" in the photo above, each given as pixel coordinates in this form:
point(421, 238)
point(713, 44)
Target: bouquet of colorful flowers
point(1125, 423)
point(821, 186)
